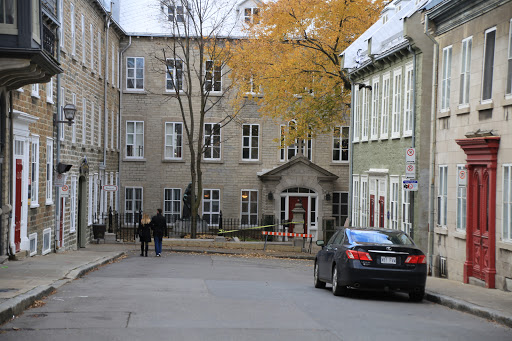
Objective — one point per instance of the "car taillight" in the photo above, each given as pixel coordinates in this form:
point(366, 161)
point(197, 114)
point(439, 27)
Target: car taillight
point(416, 260)
point(353, 254)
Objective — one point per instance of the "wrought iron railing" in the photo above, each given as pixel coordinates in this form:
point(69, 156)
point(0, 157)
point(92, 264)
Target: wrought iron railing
point(48, 41)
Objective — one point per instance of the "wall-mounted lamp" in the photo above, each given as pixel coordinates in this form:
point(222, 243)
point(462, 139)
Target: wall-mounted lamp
point(270, 196)
point(362, 86)
point(328, 197)
point(69, 114)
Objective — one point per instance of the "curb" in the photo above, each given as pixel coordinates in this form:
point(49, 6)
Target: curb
point(469, 308)
point(17, 305)
point(236, 253)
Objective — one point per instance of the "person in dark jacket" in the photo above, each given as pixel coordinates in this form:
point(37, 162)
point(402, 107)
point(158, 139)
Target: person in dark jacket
point(159, 225)
point(144, 232)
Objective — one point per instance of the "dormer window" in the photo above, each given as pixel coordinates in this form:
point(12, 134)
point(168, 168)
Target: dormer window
point(384, 18)
point(176, 13)
point(251, 15)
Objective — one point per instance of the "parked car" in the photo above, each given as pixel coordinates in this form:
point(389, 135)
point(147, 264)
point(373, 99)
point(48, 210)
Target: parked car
point(371, 259)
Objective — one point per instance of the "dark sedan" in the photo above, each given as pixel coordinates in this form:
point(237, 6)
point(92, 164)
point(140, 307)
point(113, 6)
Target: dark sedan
point(371, 259)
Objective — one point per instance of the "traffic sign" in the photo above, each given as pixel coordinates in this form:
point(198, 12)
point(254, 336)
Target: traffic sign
point(64, 191)
point(110, 188)
point(410, 185)
point(462, 177)
point(410, 155)
point(410, 171)
point(60, 179)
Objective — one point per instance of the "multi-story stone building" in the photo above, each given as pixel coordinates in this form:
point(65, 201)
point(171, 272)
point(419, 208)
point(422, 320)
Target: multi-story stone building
point(390, 66)
point(472, 240)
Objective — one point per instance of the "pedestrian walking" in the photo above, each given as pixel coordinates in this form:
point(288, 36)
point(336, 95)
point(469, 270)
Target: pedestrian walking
point(144, 232)
point(158, 224)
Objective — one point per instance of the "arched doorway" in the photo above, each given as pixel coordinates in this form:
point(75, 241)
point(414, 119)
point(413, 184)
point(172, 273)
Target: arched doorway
point(308, 198)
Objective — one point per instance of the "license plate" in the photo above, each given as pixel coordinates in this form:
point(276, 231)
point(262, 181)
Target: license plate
point(388, 260)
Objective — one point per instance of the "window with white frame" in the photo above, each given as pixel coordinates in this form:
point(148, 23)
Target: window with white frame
point(406, 210)
point(34, 172)
point(374, 131)
point(356, 131)
point(49, 171)
point(91, 33)
point(135, 73)
point(250, 142)
point(35, 90)
point(135, 139)
point(365, 103)
point(90, 200)
point(99, 140)
point(340, 207)
point(112, 130)
point(93, 113)
point(211, 206)
point(211, 141)
point(113, 66)
point(251, 15)
point(355, 201)
point(461, 197)
point(47, 241)
point(509, 70)
point(61, 21)
point(507, 202)
point(73, 128)
point(393, 202)
point(82, 26)
point(442, 196)
point(397, 103)
point(72, 207)
point(49, 91)
point(252, 86)
point(174, 75)
point(95, 198)
point(384, 122)
point(446, 78)
point(213, 77)
point(408, 100)
point(133, 204)
point(99, 53)
point(84, 119)
point(172, 204)
point(8, 17)
point(32, 238)
point(340, 144)
point(465, 71)
point(73, 29)
point(173, 140)
point(249, 209)
point(488, 67)
point(363, 194)
point(60, 113)
point(176, 12)
point(287, 152)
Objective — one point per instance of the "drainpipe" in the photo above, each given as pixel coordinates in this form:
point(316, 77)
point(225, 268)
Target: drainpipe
point(351, 150)
point(413, 137)
point(57, 130)
point(432, 169)
point(11, 246)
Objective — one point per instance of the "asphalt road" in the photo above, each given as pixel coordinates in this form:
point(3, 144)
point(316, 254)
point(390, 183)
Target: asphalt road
point(204, 297)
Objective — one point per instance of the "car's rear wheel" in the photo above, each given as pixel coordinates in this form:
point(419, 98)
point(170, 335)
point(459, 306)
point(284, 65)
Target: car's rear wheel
point(318, 282)
point(417, 295)
point(337, 289)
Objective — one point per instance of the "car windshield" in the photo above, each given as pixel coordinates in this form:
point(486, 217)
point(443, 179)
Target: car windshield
point(380, 237)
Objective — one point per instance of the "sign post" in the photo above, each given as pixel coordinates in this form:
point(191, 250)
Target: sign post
point(410, 171)
point(410, 155)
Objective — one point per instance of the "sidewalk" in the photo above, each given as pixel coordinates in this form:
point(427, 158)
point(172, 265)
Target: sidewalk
point(23, 282)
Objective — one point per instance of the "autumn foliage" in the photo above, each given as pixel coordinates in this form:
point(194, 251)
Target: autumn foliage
point(290, 62)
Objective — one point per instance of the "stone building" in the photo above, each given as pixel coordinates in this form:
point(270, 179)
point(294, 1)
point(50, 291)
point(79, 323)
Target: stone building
point(472, 239)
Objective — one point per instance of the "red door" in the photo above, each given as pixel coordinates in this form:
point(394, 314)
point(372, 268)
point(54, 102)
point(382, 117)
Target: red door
point(291, 205)
point(61, 223)
point(480, 231)
point(381, 211)
point(17, 209)
point(372, 210)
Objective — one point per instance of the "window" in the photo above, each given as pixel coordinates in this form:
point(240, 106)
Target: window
point(384, 122)
point(251, 15)
point(174, 75)
point(249, 207)
point(211, 141)
point(213, 81)
point(113, 67)
point(490, 38)
point(72, 207)
point(8, 16)
point(408, 102)
point(82, 26)
point(384, 19)
point(90, 201)
point(356, 115)
point(446, 78)
point(173, 140)
point(61, 21)
point(49, 171)
point(35, 90)
point(364, 201)
point(32, 238)
point(73, 29)
point(250, 142)
point(34, 172)
point(92, 46)
point(95, 198)
point(99, 140)
point(60, 113)
point(406, 210)
point(176, 13)
point(73, 128)
point(287, 152)
point(355, 201)
point(461, 197)
point(133, 204)
point(509, 71)
point(49, 91)
point(340, 207)
point(84, 118)
point(172, 204)
point(112, 130)
point(252, 86)
point(135, 139)
point(99, 53)
point(211, 206)
point(92, 122)
point(507, 202)
point(393, 202)
point(397, 103)
point(365, 114)
point(340, 137)
point(465, 71)
point(47, 241)
point(374, 132)
point(442, 194)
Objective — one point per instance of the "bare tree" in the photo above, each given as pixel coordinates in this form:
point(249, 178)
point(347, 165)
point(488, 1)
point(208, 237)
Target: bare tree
point(196, 55)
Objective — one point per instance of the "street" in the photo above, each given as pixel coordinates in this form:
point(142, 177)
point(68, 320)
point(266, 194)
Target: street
point(204, 297)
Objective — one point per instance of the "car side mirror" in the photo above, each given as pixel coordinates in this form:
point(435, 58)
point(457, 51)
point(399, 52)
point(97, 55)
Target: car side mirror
point(320, 243)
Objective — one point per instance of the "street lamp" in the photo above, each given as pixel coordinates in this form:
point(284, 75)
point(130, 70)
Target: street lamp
point(69, 113)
